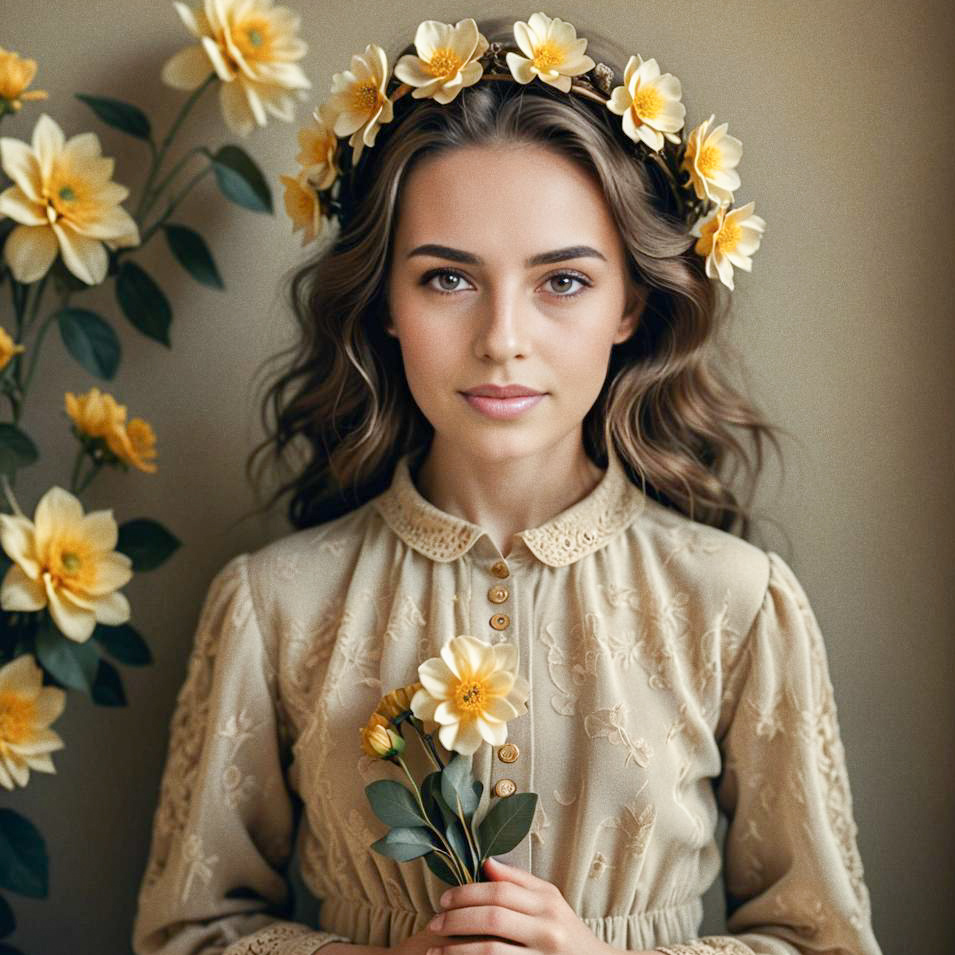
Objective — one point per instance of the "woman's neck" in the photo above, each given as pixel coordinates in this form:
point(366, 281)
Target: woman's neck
point(509, 495)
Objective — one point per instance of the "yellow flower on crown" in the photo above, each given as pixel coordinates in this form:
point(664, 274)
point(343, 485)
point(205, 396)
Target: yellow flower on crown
point(446, 61)
point(319, 147)
point(711, 158)
point(359, 100)
point(649, 103)
point(727, 238)
point(16, 74)
point(551, 51)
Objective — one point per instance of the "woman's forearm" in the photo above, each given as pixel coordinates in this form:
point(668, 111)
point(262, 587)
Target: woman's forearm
point(346, 948)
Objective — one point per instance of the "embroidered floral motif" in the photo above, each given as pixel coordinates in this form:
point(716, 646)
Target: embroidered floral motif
point(198, 865)
point(564, 800)
point(408, 616)
point(611, 725)
point(236, 788)
point(599, 865)
point(636, 823)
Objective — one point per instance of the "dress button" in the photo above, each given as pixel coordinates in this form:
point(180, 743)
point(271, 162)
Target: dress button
point(498, 594)
point(500, 620)
point(508, 753)
point(505, 787)
point(499, 569)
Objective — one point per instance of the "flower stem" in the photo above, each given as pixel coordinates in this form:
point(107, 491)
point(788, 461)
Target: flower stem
point(427, 744)
point(459, 872)
point(148, 234)
point(172, 175)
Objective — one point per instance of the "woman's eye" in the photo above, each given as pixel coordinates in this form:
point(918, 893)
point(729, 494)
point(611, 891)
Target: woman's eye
point(560, 277)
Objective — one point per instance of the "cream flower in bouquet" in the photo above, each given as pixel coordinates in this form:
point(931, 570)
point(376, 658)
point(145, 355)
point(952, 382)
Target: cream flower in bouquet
point(64, 201)
point(65, 560)
point(27, 708)
point(252, 47)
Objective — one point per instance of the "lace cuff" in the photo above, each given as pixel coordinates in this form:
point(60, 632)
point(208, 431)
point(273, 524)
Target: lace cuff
point(283, 938)
point(708, 945)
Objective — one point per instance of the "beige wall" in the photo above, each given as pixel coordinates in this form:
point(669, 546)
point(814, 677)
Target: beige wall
point(845, 112)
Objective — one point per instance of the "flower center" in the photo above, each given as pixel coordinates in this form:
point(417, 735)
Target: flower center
point(366, 97)
point(470, 696)
point(709, 160)
point(254, 37)
point(547, 56)
point(67, 193)
point(444, 63)
point(648, 102)
point(728, 236)
point(16, 718)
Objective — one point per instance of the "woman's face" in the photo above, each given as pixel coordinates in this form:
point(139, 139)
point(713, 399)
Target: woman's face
point(507, 269)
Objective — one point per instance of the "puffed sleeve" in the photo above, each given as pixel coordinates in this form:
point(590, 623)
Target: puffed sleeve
point(223, 830)
point(792, 870)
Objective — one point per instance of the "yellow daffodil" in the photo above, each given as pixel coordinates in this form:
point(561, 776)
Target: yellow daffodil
point(446, 61)
point(471, 690)
point(303, 207)
point(27, 708)
point(378, 739)
point(65, 560)
point(16, 74)
point(728, 238)
point(711, 159)
point(319, 143)
point(649, 103)
point(252, 46)
point(65, 202)
point(551, 51)
point(97, 414)
point(397, 701)
point(359, 101)
point(7, 348)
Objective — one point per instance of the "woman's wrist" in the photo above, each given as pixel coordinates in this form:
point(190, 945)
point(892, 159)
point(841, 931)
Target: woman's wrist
point(346, 948)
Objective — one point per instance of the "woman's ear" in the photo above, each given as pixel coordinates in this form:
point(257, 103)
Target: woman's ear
point(636, 301)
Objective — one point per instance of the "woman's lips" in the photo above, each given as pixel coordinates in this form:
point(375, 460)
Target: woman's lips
point(502, 408)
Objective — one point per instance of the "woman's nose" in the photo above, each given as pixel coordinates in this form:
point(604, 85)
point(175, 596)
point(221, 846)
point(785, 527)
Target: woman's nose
point(503, 328)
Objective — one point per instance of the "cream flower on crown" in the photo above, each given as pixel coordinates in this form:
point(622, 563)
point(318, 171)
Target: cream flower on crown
point(728, 238)
point(446, 60)
point(711, 159)
point(649, 103)
point(551, 50)
point(304, 208)
point(319, 146)
point(359, 100)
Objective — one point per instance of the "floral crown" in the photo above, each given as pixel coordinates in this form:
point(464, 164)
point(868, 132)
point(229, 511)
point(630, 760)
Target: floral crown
point(700, 171)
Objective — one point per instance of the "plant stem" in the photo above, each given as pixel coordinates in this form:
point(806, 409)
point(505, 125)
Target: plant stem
point(157, 160)
point(147, 235)
point(464, 876)
point(38, 341)
point(427, 745)
point(172, 175)
point(467, 834)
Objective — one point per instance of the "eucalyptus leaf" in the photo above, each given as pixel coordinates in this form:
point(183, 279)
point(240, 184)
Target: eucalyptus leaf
point(404, 843)
point(439, 812)
point(146, 542)
point(17, 449)
point(108, 686)
point(73, 664)
point(123, 643)
point(143, 302)
point(193, 254)
point(23, 858)
point(241, 180)
point(394, 804)
point(121, 115)
point(441, 869)
point(456, 782)
point(90, 339)
point(459, 843)
point(508, 821)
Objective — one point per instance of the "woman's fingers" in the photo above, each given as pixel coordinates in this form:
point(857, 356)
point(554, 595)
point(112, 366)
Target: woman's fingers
point(505, 923)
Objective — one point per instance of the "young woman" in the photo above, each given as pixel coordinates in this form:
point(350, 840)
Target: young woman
point(517, 429)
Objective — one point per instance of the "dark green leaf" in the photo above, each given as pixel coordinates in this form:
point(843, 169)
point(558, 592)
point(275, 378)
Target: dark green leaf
point(143, 302)
point(441, 869)
point(459, 843)
point(130, 119)
point(404, 843)
point(73, 664)
point(439, 812)
point(90, 339)
point(8, 921)
point(193, 254)
point(146, 542)
point(241, 180)
point(394, 804)
point(508, 821)
point(108, 686)
point(17, 450)
point(124, 644)
point(23, 859)
point(456, 781)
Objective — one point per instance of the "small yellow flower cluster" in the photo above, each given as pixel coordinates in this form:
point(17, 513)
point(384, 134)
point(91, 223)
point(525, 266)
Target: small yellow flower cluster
point(452, 57)
point(98, 415)
point(16, 74)
point(377, 737)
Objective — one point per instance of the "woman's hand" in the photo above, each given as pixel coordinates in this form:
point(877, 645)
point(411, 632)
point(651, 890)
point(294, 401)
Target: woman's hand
point(524, 914)
point(424, 941)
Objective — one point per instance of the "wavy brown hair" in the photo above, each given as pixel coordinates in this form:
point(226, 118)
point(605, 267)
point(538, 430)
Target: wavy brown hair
point(682, 431)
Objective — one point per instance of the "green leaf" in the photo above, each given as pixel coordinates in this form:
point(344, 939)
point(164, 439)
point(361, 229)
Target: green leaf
point(459, 843)
point(193, 254)
point(73, 664)
point(17, 450)
point(394, 804)
point(506, 824)
point(437, 809)
point(123, 643)
point(23, 859)
point(404, 843)
point(8, 921)
point(241, 180)
point(146, 542)
point(143, 302)
point(108, 686)
point(90, 339)
point(456, 781)
point(124, 116)
point(441, 869)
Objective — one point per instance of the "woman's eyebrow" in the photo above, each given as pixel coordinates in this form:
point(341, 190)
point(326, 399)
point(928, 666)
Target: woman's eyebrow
point(542, 258)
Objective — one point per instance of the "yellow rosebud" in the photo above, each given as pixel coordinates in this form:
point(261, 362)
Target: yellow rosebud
point(378, 740)
point(7, 348)
point(16, 74)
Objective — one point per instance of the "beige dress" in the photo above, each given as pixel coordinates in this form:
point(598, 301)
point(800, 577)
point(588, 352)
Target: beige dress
point(676, 671)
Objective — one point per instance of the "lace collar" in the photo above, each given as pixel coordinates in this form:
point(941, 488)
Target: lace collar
point(579, 530)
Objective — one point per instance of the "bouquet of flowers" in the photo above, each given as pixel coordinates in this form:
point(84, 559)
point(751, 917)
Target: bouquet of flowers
point(464, 697)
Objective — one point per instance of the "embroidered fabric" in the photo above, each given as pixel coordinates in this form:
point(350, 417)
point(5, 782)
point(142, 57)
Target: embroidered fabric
point(708, 945)
point(574, 533)
point(283, 938)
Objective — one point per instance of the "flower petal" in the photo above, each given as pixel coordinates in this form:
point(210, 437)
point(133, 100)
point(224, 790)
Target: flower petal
point(20, 592)
point(84, 257)
point(22, 166)
point(16, 204)
point(30, 251)
point(187, 69)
